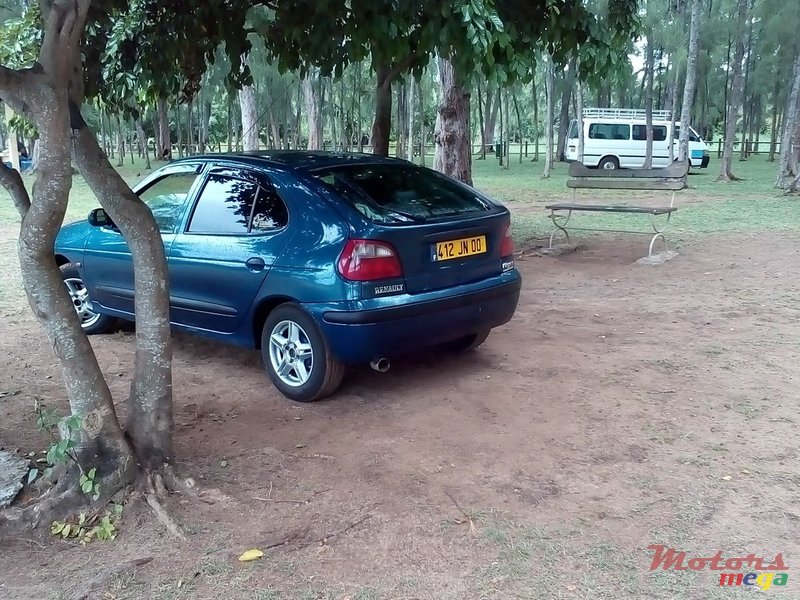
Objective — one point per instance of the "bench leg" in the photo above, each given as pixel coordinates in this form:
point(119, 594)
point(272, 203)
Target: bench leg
point(659, 233)
point(559, 221)
point(653, 241)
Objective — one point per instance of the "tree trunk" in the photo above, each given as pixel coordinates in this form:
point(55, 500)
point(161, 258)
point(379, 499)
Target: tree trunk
point(143, 142)
point(312, 101)
point(230, 123)
point(549, 91)
point(648, 103)
point(150, 424)
point(481, 124)
point(165, 143)
point(519, 124)
point(120, 143)
point(492, 104)
point(189, 128)
point(579, 118)
point(789, 161)
point(402, 115)
point(535, 95)
point(178, 130)
point(747, 115)
point(691, 81)
point(383, 112)
point(453, 155)
point(412, 85)
point(735, 95)
point(563, 118)
point(247, 104)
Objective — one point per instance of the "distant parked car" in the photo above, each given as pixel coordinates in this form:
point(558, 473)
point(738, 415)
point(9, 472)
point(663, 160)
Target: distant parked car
point(318, 259)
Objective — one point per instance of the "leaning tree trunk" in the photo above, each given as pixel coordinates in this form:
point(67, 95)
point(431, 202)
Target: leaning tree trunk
point(549, 90)
point(691, 81)
point(150, 424)
point(383, 112)
point(41, 95)
point(453, 154)
point(789, 161)
point(247, 103)
point(735, 99)
point(165, 142)
point(402, 116)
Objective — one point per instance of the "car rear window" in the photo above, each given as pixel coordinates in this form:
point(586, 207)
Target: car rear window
point(400, 193)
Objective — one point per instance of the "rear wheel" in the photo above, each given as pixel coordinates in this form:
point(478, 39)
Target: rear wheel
point(297, 356)
point(467, 343)
point(608, 162)
point(91, 321)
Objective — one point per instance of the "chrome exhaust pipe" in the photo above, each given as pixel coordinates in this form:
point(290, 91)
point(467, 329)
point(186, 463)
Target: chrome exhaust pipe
point(380, 364)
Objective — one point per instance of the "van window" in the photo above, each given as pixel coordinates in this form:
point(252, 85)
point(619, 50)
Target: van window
point(693, 137)
point(609, 131)
point(640, 133)
point(573, 130)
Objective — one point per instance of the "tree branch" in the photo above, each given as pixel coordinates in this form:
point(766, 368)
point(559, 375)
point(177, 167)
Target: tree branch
point(11, 180)
point(401, 67)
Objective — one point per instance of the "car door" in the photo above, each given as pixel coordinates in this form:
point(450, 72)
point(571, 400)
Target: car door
point(236, 231)
point(107, 265)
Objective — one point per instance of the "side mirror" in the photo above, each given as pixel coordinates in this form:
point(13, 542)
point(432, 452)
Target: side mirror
point(99, 218)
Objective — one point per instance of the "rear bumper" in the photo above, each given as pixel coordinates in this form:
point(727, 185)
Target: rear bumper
point(358, 336)
point(706, 160)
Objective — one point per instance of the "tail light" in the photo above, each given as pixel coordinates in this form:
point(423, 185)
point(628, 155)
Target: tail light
point(507, 246)
point(368, 260)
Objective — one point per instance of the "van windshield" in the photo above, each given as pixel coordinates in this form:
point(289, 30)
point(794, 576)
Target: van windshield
point(573, 130)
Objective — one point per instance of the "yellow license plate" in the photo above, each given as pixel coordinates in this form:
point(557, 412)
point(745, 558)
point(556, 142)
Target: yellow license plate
point(459, 248)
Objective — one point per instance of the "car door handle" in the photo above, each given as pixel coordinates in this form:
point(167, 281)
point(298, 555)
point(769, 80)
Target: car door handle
point(255, 264)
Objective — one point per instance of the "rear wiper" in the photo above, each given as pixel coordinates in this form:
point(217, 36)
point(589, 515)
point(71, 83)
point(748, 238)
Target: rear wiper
point(405, 215)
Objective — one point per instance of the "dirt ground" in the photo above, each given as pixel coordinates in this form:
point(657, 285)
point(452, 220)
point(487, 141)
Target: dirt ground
point(623, 406)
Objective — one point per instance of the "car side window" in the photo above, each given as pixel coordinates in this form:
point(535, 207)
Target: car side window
point(166, 199)
point(269, 211)
point(225, 205)
point(609, 131)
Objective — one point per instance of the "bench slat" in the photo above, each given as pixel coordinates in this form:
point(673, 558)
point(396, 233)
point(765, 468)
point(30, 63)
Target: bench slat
point(675, 170)
point(626, 184)
point(611, 208)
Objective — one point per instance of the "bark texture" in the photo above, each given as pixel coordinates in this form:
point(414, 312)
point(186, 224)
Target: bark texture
point(313, 111)
point(164, 138)
point(453, 155)
point(247, 104)
point(383, 112)
point(648, 105)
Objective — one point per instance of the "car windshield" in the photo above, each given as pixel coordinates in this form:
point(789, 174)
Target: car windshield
point(401, 193)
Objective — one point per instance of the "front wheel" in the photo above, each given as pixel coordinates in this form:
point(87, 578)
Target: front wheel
point(92, 322)
point(610, 163)
point(297, 356)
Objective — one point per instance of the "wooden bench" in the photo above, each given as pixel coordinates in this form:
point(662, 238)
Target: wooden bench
point(672, 178)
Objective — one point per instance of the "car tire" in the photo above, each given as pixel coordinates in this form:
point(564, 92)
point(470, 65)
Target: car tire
point(92, 322)
point(297, 356)
point(467, 343)
point(608, 162)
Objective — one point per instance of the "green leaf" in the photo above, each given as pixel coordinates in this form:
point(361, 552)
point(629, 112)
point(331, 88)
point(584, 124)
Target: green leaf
point(92, 472)
point(32, 475)
point(86, 487)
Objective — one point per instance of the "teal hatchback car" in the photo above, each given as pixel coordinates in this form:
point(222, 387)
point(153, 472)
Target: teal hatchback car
point(320, 260)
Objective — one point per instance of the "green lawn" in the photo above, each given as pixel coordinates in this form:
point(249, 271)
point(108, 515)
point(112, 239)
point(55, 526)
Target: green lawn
point(752, 204)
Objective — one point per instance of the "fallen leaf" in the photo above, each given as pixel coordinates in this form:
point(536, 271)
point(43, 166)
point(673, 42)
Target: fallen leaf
point(726, 478)
point(745, 472)
point(223, 463)
point(252, 554)
point(299, 446)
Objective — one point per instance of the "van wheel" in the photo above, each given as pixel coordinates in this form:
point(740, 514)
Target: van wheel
point(608, 162)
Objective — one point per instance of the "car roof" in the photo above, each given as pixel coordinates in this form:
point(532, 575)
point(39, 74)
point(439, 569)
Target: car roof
point(296, 160)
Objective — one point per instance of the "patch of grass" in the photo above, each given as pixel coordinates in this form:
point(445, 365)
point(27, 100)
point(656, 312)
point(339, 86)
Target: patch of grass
point(715, 350)
point(266, 594)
